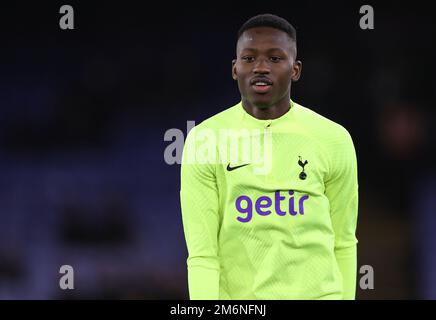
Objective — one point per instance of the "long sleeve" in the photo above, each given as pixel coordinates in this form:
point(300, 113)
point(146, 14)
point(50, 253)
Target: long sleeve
point(199, 205)
point(341, 188)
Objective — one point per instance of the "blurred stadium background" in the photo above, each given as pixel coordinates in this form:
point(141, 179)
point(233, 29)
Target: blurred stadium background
point(83, 114)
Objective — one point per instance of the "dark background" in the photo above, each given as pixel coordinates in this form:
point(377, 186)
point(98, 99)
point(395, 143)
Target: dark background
point(83, 114)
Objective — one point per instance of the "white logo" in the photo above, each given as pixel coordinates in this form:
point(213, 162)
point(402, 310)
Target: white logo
point(367, 280)
point(67, 20)
point(367, 20)
point(221, 146)
point(67, 280)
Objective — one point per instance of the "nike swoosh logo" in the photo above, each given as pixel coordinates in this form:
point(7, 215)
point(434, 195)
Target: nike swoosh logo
point(229, 168)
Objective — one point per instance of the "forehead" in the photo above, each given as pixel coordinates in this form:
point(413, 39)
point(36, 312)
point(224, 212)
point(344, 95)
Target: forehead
point(263, 38)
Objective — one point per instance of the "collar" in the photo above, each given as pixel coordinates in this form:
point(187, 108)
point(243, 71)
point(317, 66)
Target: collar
point(248, 120)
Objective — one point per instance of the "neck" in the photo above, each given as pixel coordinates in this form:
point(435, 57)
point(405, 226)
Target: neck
point(272, 112)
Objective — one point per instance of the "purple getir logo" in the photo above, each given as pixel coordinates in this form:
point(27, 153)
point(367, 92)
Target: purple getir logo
point(263, 204)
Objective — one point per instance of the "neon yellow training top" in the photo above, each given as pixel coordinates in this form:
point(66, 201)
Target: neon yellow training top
point(272, 212)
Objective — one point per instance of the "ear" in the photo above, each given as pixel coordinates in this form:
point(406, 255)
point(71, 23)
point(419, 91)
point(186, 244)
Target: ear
point(234, 74)
point(296, 70)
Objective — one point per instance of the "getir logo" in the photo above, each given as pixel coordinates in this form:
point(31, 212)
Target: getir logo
point(261, 205)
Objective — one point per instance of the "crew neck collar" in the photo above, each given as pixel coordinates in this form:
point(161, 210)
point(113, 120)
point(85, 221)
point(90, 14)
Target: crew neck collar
point(248, 118)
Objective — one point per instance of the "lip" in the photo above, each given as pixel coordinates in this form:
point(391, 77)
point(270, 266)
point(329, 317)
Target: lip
point(261, 89)
point(261, 79)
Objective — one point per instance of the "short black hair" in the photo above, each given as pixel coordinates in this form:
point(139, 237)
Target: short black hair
point(269, 20)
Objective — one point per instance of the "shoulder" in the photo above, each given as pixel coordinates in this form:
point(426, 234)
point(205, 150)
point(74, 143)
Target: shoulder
point(332, 138)
point(320, 126)
point(226, 118)
point(209, 127)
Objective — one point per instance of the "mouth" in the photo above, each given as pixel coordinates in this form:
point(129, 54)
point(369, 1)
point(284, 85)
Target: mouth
point(261, 84)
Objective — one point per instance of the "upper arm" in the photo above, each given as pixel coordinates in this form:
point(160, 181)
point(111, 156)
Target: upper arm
point(199, 202)
point(341, 188)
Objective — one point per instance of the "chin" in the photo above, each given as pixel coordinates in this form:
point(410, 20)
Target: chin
point(262, 104)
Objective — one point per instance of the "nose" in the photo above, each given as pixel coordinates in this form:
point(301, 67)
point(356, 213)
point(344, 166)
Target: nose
point(261, 67)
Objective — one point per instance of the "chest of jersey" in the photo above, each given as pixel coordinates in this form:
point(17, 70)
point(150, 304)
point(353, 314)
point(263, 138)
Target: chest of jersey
point(282, 179)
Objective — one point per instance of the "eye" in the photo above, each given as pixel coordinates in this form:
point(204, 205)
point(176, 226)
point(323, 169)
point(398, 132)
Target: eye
point(275, 59)
point(248, 58)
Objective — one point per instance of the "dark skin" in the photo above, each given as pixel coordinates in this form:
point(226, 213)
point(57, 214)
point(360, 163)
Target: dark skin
point(265, 66)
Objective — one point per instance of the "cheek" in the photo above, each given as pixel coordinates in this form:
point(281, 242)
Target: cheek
point(242, 71)
point(238, 75)
point(285, 79)
point(242, 85)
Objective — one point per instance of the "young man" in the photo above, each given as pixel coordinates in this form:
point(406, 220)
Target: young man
point(283, 227)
